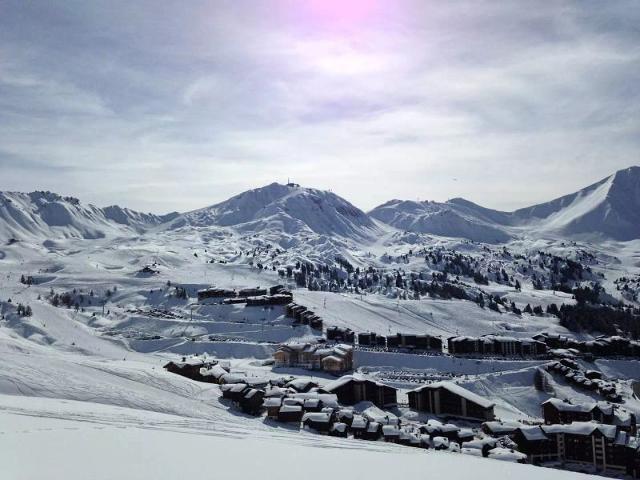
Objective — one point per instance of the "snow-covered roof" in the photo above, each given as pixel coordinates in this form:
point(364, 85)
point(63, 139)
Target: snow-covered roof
point(215, 371)
point(252, 393)
point(290, 408)
point(533, 433)
point(373, 427)
point(339, 427)
point(358, 422)
point(301, 384)
point(390, 430)
point(328, 399)
point(317, 417)
point(272, 402)
point(440, 442)
point(480, 443)
point(501, 428)
point(566, 406)
point(232, 378)
point(458, 390)
point(331, 386)
point(506, 455)
point(581, 428)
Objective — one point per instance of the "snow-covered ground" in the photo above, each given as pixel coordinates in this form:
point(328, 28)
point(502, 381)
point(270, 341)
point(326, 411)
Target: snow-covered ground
point(91, 378)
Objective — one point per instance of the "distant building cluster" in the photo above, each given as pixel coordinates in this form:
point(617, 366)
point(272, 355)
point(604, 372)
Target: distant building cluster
point(301, 315)
point(253, 297)
point(603, 346)
point(495, 345)
point(585, 379)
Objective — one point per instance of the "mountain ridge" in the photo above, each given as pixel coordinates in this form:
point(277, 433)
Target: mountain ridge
point(609, 208)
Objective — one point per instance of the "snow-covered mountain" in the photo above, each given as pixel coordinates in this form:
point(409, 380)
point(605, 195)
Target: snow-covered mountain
point(289, 209)
point(46, 215)
point(609, 208)
point(450, 219)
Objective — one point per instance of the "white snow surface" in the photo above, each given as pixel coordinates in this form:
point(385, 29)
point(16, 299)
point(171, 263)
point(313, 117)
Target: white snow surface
point(93, 381)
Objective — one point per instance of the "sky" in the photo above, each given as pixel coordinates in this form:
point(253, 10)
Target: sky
point(170, 105)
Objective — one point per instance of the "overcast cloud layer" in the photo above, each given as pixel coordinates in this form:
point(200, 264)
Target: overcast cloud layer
point(163, 106)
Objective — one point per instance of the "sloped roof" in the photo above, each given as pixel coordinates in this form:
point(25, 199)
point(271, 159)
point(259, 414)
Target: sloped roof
point(457, 390)
point(331, 386)
point(533, 433)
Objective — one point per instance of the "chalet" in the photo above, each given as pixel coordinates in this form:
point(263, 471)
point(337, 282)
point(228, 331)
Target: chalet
point(507, 455)
point(463, 345)
point(428, 342)
point(434, 428)
point(215, 293)
point(406, 340)
point(272, 405)
point(251, 401)
point(305, 317)
point(339, 429)
point(234, 301)
point(316, 323)
point(535, 444)
point(465, 435)
point(440, 443)
point(289, 309)
point(290, 413)
point(602, 447)
point(358, 426)
point(262, 300)
point(334, 359)
point(393, 341)
point(231, 378)
point(333, 364)
point(367, 339)
point(277, 289)
point(338, 334)
point(373, 431)
point(233, 391)
point(345, 416)
point(381, 341)
point(190, 367)
point(556, 411)
point(252, 292)
point(319, 421)
point(391, 433)
point(297, 311)
point(213, 374)
point(302, 385)
point(314, 400)
point(352, 389)
point(450, 399)
point(500, 429)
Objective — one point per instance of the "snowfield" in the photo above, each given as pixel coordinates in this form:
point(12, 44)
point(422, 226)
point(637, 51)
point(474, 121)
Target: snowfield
point(108, 442)
point(84, 386)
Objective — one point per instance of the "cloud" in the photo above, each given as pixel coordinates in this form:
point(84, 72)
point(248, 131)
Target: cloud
point(161, 107)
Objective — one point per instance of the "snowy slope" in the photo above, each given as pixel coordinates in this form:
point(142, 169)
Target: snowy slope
point(286, 208)
point(46, 215)
point(610, 207)
point(154, 446)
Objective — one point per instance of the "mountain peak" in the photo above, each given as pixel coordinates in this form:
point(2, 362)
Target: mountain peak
point(289, 208)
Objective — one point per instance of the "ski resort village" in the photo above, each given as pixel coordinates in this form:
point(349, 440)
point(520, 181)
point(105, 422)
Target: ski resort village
point(319, 240)
point(286, 325)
